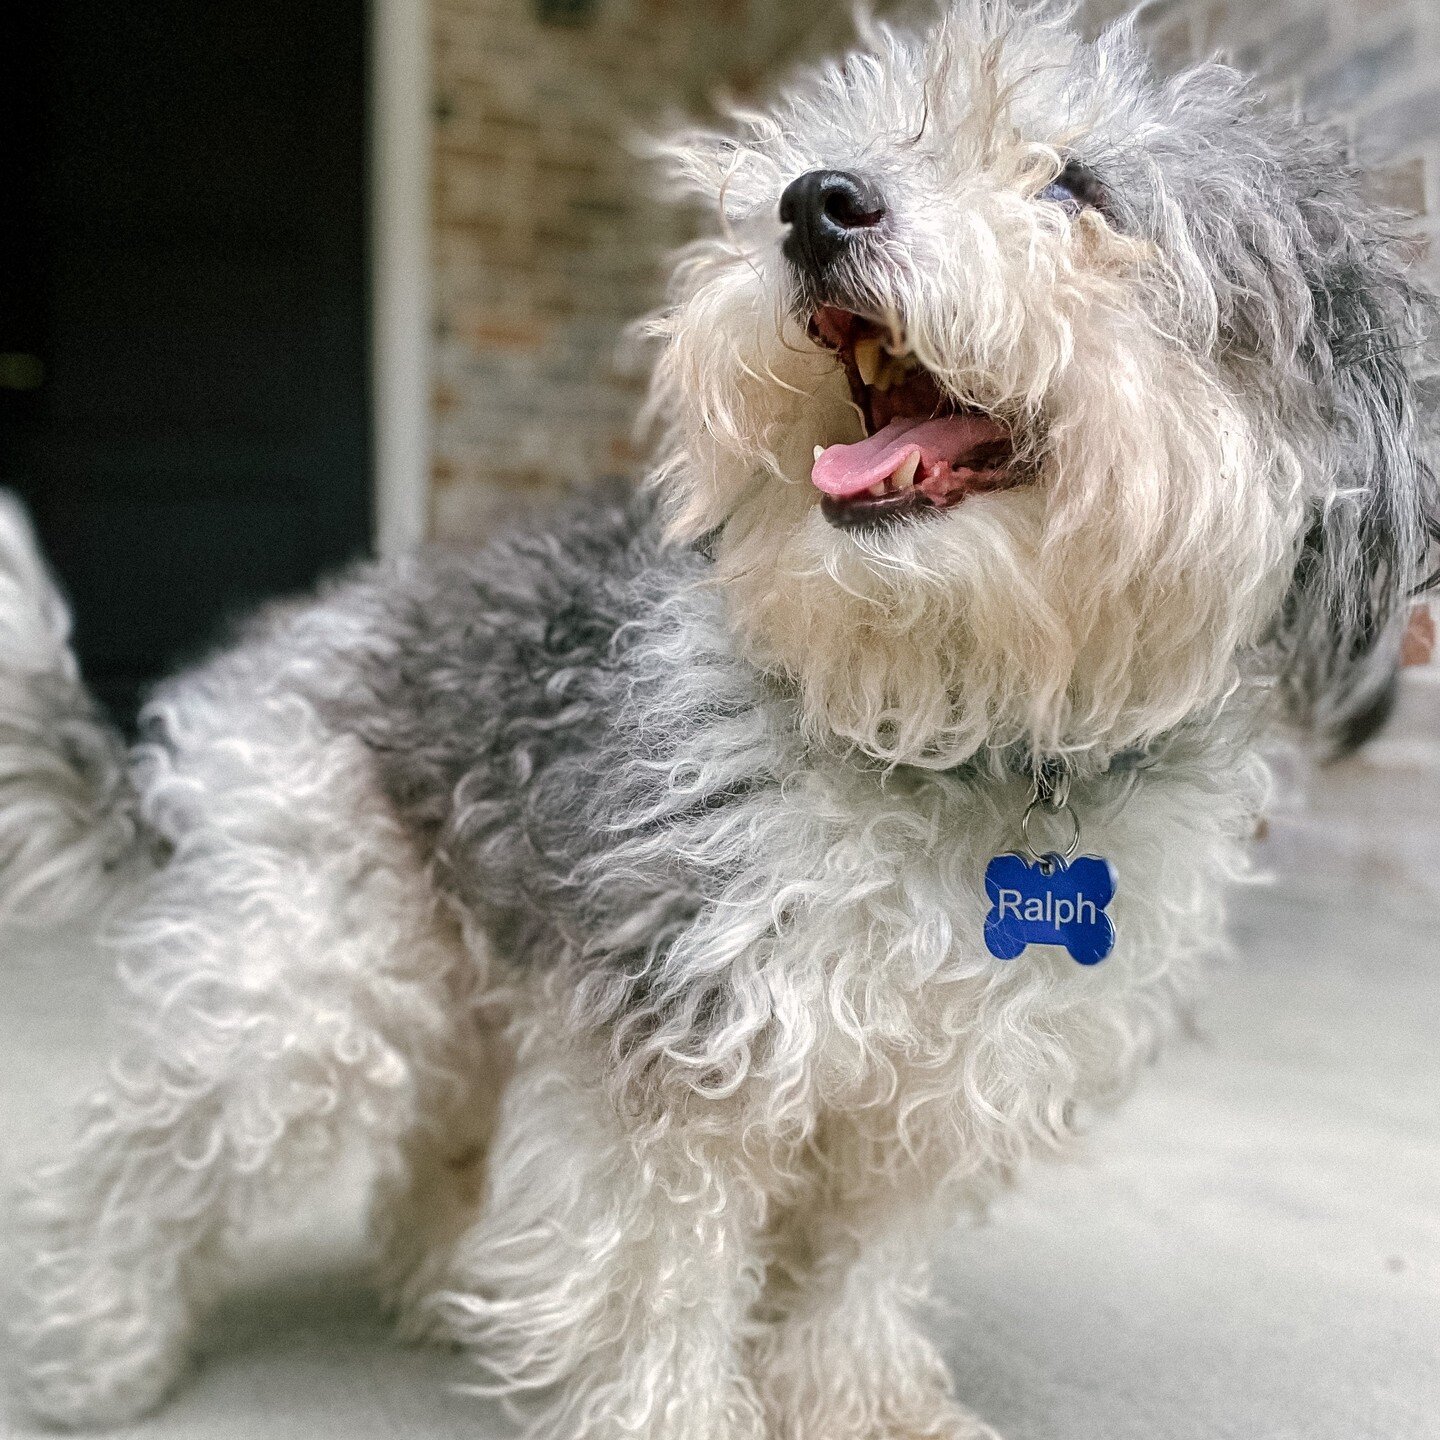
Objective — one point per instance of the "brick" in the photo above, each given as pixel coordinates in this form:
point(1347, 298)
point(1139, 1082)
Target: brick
point(1401, 186)
point(1361, 74)
point(1289, 49)
point(1211, 26)
point(1173, 45)
point(502, 334)
point(1401, 127)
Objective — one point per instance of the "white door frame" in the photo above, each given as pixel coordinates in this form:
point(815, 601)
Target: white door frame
point(400, 108)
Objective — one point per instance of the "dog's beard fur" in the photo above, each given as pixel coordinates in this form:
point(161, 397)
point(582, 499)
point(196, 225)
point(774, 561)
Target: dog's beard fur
point(1177, 460)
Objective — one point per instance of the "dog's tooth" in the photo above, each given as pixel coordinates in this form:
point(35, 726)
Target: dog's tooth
point(819, 451)
point(878, 489)
point(867, 358)
point(904, 477)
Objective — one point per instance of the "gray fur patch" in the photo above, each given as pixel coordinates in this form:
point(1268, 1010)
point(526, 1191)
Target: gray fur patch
point(1319, 308)
point(526, 710)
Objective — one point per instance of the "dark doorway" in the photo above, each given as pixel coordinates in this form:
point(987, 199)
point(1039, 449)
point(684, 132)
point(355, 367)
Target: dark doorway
point(183, 310)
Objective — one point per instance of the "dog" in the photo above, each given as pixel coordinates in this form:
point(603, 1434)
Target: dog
point(1036, 440)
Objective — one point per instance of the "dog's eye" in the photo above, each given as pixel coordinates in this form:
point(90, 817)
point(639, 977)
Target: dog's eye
point(1075, 189)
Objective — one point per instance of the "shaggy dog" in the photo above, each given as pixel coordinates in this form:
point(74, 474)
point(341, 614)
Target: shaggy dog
point(1035, 438)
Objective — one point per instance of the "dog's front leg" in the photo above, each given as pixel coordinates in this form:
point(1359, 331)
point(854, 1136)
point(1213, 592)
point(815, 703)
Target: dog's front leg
point(613, 1266)
point(292, 987)
point(840, 1355)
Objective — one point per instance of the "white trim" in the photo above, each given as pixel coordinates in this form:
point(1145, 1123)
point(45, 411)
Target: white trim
point(400, 270)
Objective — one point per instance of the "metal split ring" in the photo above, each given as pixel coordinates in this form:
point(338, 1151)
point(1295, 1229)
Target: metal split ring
point(1049, 808)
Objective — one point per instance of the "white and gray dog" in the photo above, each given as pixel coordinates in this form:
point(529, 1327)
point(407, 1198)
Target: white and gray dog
point(1032, 430)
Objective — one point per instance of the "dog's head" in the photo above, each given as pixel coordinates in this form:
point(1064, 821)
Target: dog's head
point(1032, 401)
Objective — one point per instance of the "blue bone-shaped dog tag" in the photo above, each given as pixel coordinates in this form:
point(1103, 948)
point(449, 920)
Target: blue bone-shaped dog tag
point(1050, 902)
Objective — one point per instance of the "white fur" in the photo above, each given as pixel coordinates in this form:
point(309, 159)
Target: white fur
point(65, 822)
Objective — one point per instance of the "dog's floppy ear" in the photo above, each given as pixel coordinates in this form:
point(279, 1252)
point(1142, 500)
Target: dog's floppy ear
point(1370, 544)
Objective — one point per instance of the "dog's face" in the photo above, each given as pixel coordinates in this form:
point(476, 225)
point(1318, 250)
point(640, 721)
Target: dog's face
point(1032, 402)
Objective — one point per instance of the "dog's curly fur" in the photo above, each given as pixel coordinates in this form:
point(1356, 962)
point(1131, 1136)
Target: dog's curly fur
point(621, 884)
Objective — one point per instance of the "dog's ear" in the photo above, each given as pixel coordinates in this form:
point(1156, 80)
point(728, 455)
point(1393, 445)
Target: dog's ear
point(1370, 543)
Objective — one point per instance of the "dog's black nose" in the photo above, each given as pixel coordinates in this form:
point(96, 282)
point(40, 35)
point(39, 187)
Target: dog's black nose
point(826, 210)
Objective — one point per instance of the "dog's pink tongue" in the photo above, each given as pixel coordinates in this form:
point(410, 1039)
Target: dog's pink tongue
point(843, 471)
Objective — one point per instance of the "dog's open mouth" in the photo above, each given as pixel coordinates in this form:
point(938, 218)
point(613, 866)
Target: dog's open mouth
point(923, 451)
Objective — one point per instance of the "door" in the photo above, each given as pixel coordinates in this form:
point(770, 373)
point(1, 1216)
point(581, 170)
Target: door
point(183, 311)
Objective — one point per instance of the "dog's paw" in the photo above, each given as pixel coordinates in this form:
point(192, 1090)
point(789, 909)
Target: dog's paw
point(958, 1427)
point(116, 1391)
point(934, 1417)
point(89, 1371)
point(941, 1420)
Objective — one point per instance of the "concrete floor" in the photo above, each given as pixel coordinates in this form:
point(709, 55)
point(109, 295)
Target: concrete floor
point(1249, 1251)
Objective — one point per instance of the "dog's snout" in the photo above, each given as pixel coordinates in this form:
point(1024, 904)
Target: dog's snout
point(826, 210)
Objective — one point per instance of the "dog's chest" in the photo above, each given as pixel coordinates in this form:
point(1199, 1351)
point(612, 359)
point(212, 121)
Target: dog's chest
point(873, 900)
point(872, 895)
